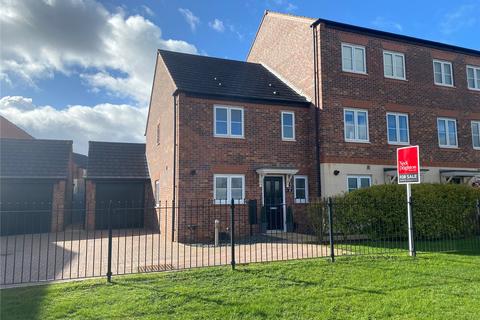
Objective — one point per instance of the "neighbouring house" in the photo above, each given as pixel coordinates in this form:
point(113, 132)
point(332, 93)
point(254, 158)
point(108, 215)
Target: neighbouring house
point(373, 91)
point(12, 131)
point(118, 182)
point(240, 133)
point(79, 172)
point(35, 184)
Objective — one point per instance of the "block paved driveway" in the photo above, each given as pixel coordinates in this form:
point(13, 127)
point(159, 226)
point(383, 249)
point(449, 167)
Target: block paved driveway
point(80, 254)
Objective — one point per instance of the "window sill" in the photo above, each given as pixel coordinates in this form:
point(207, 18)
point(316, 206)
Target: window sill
point(447, 86)
point(289, 140)
point(398, 143)
point(474, 89)
point(355, 73)
point(357, 141)
point(397, 79)
point(301, 201)
point(449, 147)
point(229, 137)
point(227, 203)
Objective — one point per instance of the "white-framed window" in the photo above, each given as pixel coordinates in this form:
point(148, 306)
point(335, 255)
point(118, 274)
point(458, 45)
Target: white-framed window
point(157, 192)
point(394, 65)
point(228, 122)
point(353, 58)
point(227, 187)
point(397, 128)
point(288, 125)
point(473, 77)
point(356, 125)
point(158, 133)
point(358, 182)
point(447, 132)
point(443, 73)
point(476, 134)
point(300, 187)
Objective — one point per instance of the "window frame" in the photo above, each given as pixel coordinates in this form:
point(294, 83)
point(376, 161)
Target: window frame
point(358, 177)
point(475, 80)
point(442, 64)
point(393, 54)
point(355, 111)
point(353, 47)
point(448, 146)
point(229, 122)
point(305, 200)
point(229, 188)
point(293, 125)
point(477, 123)
point(397, 123)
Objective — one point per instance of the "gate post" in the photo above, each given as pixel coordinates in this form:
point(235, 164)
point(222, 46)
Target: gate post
point(330, 227)
point(232, 232)
point(109, 265)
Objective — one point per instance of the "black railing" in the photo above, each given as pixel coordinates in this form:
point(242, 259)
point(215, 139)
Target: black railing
point(38, 242)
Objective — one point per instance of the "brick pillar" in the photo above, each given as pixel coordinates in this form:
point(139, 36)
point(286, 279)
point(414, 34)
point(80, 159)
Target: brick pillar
point(90, 205)
point(58, 206)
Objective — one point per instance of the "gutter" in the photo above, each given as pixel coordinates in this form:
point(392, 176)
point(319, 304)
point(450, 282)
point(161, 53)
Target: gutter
point(317, 111)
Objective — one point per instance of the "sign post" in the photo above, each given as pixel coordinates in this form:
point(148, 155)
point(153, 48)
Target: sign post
point(408, 172)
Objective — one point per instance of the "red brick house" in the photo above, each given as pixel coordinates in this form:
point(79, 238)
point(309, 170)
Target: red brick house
point(239, 130)
point(35, 184)
point(373, 91)
point(318, 109)
point(12, 131)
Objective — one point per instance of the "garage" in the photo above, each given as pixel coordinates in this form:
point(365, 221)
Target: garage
point(33, 179)
point(117, 178)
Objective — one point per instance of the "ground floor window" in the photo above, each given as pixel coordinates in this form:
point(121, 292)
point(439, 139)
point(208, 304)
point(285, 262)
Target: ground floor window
point(301, 189)
point(358, 182)
point(227, 187)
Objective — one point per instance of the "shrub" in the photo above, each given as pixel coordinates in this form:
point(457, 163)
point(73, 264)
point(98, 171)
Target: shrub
point(439, 210)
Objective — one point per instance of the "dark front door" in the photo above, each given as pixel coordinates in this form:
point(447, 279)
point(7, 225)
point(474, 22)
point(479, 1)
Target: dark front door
point(273, 196)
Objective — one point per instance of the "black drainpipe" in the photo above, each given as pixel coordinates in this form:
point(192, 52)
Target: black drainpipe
point(317, 111)
point(175, 95)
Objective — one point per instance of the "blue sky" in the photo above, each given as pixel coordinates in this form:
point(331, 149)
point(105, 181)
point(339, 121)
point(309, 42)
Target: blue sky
point(75, 63)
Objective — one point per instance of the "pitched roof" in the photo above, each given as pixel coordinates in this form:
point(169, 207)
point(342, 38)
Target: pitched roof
point(112, 160)
point(80, 160)
point(34, 158)
point(10, 130)
point(227, 78)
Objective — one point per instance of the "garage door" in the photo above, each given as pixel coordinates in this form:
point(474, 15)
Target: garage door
point(25, 207)
point(126, 200)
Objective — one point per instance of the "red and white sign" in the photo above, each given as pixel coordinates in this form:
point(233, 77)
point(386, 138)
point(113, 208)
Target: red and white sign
point(408, 165)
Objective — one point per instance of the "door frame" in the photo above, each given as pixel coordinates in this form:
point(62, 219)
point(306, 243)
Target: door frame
point(284, 200)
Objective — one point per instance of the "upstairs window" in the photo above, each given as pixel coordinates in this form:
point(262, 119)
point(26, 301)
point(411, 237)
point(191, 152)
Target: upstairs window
point(397, 128)
point(442, 72)
point(473, 77)
point(288, 125)
point(358, 182)
point(447, 132)
point(228, 122)
point(228, 187)
point(301, 189)
point(356, 125)
point(353, 58)
point(394, 65)
point(476, 134)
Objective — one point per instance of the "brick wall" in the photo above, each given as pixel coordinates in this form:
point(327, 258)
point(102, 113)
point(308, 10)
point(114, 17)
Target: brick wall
point(418, 96)
point(58, 206)
point(161, 112)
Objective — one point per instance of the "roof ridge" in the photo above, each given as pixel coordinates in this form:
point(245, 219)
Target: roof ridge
point(208, 57)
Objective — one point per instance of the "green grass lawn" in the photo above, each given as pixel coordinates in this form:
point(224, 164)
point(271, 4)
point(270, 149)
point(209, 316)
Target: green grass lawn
point(432, 286)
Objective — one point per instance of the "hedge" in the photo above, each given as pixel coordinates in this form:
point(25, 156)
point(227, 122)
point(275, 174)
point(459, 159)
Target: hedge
point(441, 211)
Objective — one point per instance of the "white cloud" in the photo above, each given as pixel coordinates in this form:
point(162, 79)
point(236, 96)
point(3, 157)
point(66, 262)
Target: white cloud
point(464, 16)
point(192, 20)
point(217, 25)
point(383, 23)
point(110, 50)
point(104, 122)
point(147, 10)
point(283, 4)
